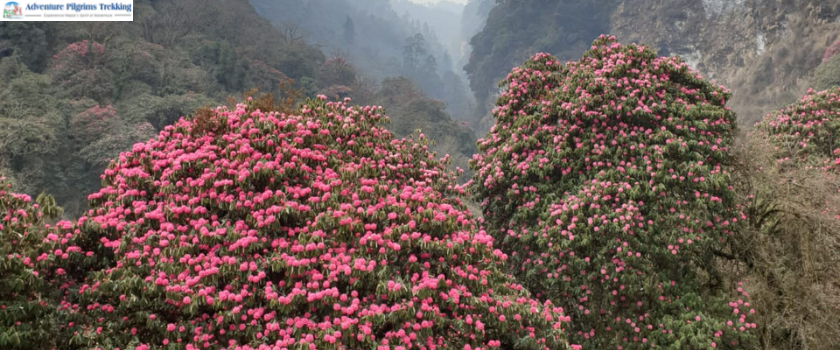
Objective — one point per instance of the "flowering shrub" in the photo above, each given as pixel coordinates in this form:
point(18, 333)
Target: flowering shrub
point(25, 309)
point(603, 181)
point(248, 229)
point(77, 70)
point(90, 124)
point(265, 77)
point(831, 51)
point(78, 55)
point(807, 132)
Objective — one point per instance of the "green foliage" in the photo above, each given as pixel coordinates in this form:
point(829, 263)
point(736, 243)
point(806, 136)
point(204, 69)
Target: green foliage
point(32, 123)
point(827, 74)
point(165, 110)
point(27, 301)
point(230, 70)
point(31, 40)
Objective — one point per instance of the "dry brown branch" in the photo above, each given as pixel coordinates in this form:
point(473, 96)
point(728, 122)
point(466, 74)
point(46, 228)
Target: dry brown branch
point(791, 250)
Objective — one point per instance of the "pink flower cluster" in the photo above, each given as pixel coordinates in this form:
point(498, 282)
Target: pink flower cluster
point(92, 123)
point(805, 132)
point(17, 213)
point(261, 230)
point(75, 53)
point(831, 51)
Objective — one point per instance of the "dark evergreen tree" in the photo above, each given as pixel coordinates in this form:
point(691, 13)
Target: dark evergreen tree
point(349, 31)
point(414, 51)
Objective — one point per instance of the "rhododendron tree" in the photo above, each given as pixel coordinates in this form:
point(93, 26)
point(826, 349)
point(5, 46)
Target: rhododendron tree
point(603, 180)
point(243, 229)
point(26, 306)
point(77, 56)
point(78, 71)
point(264, 77)
point(806, 133)
point(831, 51)
point(90, 124)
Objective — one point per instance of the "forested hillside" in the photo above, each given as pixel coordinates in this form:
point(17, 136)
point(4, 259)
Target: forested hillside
point(443, 19)
point(76, 94)
point(473, 18)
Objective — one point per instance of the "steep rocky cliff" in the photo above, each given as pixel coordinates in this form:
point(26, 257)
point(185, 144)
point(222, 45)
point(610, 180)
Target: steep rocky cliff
point(765, 51)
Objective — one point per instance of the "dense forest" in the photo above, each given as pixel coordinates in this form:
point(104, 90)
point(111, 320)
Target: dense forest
point(389, 174)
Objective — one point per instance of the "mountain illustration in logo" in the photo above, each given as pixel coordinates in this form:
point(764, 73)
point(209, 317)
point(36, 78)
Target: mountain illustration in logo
point(12, 10)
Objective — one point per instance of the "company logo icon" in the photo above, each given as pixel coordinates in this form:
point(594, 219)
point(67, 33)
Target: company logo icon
point(12, 10)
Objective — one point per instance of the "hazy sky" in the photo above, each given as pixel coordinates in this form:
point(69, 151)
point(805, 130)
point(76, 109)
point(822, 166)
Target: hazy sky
point(433, 1)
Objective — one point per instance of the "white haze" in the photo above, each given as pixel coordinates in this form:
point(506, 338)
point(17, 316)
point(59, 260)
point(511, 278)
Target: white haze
point(436, 1)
